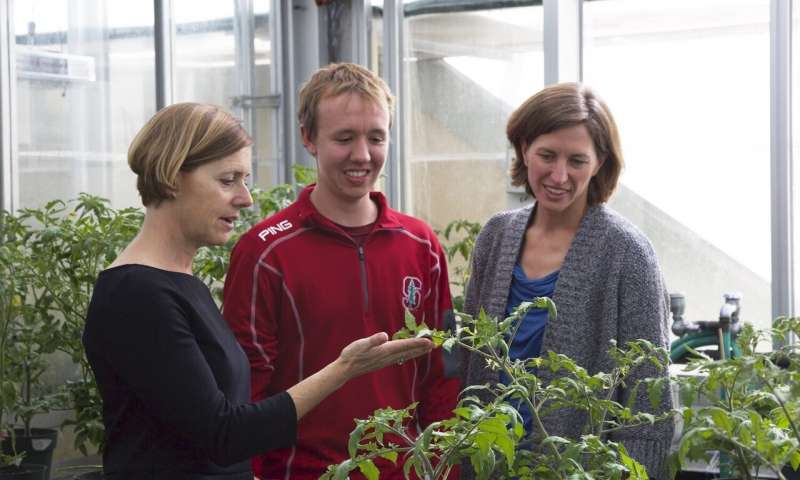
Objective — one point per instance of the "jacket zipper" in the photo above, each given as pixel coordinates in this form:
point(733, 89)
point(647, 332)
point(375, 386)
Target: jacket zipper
point(363, 263)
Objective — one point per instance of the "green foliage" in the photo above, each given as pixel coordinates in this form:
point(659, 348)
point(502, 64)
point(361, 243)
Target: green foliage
point(459, 236)
point(753, 413)
point(69, 244)
point(50, 257)
point(13, 309)
point(486, 429)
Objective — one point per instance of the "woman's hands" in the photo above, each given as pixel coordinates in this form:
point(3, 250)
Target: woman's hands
point(362, 356)
point(373, 353)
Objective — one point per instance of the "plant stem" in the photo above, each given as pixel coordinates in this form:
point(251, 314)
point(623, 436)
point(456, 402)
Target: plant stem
point(742, 448)
point(534, 412)
point(428, 466)
point(455, 447)
point(783, 407)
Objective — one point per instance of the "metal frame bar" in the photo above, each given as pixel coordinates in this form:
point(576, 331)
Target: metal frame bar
point(563, 41)
point(276, 89)
point(396, 168)
point(285, 71)
point(359, 16)
point(164, 36)
point(780, 153)
point(244, 58)
point(781, 158)
point(9, 195)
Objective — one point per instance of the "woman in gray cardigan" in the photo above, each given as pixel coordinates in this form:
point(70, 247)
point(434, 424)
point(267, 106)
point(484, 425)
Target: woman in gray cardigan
point(599, 269)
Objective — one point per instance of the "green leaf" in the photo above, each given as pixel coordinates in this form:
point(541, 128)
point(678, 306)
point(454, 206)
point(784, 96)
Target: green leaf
point(391, 456)
point(424, 332)
point(369, 469)
point(494, 425)
point(636, 469)
point(355, 437)
point(343, 470)
point(721, 418)
point(410, 321)
point(795, 460)
point(506, 447)
point(484, 441)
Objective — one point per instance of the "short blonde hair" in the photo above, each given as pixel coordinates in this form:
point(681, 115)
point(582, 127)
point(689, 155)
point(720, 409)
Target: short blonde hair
point(181, 137)
point(561, 106)
point(334, 80)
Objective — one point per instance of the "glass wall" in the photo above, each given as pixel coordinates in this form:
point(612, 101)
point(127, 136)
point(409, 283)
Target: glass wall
point(465, 73)
point(688, 82)
point(204, 56)
point(85, 84)
point(375, 36)
point(265, 114)
point(689, 85)
point(212, 66)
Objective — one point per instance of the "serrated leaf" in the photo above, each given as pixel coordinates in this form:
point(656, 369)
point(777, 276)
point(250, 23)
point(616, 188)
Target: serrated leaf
point(493, 425)
point(721, 419)
point(355, 437)
point(368, 468)
point(343, 470)
point(506, 447)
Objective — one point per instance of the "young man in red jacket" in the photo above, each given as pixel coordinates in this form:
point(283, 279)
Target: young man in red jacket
point(336, 265)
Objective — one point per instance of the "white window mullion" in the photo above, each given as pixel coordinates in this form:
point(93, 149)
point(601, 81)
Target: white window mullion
point(563, 43)
point(781, 161)
point(9, 197)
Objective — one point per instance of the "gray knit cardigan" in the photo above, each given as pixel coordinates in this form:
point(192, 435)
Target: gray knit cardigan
point(609, 287)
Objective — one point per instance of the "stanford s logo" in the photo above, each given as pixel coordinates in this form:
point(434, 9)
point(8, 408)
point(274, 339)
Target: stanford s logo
point(412, 292)
point(271, 230)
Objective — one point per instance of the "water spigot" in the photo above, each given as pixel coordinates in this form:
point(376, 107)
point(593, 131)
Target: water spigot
point(729, 313)
point(677, 306)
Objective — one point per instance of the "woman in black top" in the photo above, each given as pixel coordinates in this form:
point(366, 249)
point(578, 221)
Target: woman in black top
point(174, 381)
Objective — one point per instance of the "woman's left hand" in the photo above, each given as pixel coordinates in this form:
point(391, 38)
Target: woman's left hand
point(373, 353)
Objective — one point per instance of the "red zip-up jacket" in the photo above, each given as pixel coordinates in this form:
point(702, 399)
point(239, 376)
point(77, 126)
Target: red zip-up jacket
point(299, 290)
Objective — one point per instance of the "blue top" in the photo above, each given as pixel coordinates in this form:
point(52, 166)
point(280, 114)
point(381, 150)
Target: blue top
point(527, 343)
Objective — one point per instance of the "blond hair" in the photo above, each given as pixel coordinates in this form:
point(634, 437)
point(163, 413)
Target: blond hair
point(181, 137)
point(334, 80)
point(567, 105)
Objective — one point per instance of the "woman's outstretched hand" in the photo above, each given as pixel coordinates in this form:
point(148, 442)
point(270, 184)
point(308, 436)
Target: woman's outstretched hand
point(373, 353)
point(362, 356)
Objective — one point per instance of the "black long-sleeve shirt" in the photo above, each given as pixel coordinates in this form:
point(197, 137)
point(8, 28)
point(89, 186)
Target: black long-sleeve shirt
point(174, 381)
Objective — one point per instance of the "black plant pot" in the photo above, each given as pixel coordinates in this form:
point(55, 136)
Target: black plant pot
point(24, 472)
point(38, 447)
point(89, 476)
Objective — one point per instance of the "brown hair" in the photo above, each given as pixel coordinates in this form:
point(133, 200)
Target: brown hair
point(566, 105)
point(334, 80)
point(181, 137)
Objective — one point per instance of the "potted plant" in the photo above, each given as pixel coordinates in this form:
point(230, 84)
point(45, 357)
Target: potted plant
point(487, 430)
point(32, 343)
point(71, 243)
point(19, 347)
point(751, 408)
